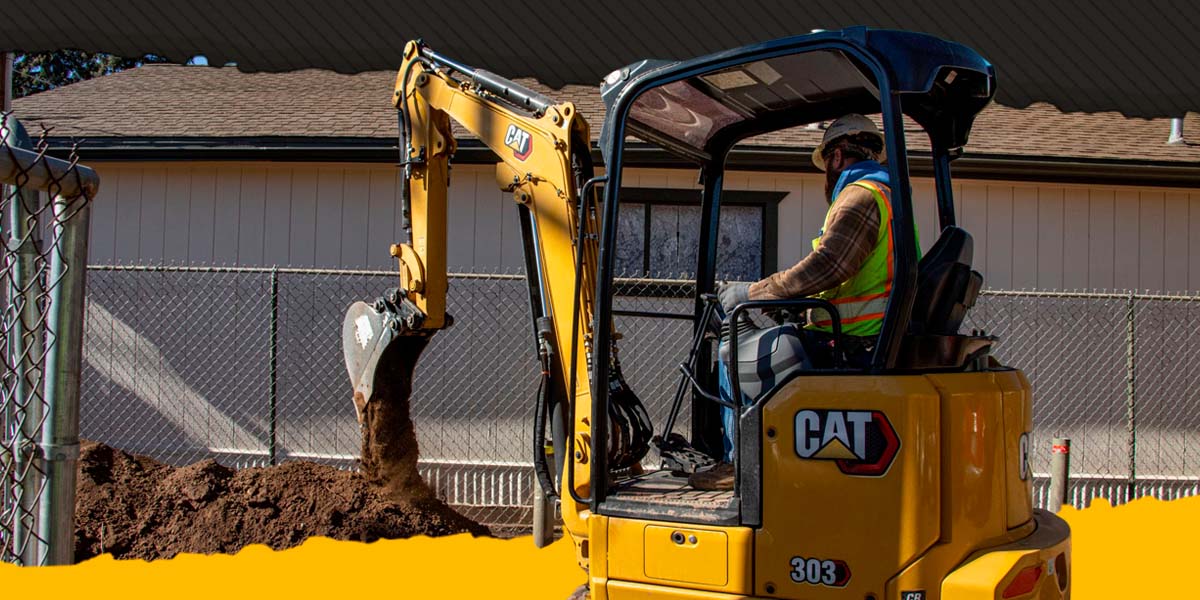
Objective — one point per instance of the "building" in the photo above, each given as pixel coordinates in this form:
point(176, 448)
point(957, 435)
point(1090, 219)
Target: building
point(213, 167)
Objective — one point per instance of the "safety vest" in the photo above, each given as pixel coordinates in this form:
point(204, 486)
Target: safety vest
point(862, 300)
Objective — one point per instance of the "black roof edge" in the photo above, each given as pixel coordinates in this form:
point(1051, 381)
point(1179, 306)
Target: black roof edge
point(748, 158)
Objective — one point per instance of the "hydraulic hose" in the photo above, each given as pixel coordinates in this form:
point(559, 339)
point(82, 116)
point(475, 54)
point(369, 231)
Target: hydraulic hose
point(405, 133)
point(405, 215)
point(501, 87)
point(540, 408)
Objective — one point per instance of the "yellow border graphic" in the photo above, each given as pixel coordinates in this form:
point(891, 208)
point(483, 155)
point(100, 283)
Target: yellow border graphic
point(1144, 549)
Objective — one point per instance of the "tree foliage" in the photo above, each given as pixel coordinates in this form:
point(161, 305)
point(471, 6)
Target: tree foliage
point(38, 72)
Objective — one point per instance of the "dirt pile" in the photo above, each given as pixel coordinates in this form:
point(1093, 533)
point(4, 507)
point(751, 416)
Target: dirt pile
point(135, 507)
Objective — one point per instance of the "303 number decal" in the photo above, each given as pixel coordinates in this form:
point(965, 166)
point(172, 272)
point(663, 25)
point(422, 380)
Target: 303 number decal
point(816, 571)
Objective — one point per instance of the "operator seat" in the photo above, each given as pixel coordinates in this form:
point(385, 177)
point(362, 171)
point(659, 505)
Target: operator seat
point(946, 288)
point(946, 285)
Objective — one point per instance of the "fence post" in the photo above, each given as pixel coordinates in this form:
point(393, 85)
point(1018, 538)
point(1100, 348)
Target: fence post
point(1060, 473)
point(25, 349)
point(273, 356)
point(60, 430)
point(1131, 394)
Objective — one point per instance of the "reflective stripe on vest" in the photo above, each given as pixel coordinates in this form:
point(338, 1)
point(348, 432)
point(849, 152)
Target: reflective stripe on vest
point(862, 300)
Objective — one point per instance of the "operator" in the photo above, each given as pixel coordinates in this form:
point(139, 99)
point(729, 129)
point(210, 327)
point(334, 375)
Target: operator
point(850, 264)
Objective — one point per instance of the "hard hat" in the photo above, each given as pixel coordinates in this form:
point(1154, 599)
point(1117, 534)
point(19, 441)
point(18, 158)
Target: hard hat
point(845, 125)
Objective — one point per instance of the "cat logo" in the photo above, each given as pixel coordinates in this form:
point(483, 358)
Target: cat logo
point(520, 141)
point(861, 442)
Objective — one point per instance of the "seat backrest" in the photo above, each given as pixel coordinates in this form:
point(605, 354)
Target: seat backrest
point(946, 285)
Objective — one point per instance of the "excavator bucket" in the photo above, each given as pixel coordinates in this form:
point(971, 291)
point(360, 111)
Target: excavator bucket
point(366, 333)
point(381, 350)
point(369, 329)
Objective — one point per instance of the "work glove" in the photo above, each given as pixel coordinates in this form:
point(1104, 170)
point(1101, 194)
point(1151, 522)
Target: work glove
point(732, 294)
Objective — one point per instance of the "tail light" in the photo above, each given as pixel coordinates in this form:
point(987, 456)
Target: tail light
point(1024, 582)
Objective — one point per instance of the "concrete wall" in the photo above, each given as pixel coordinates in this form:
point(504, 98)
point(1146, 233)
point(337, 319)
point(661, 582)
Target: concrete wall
point(1046, 236)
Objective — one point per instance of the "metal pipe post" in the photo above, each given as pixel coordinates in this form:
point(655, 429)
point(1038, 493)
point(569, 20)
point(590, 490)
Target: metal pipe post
point(1131, 394)
point(1060, 472)
point(24, 345)
point(10, 449)
point(46, 172)
point(1176, 136)
point(273, 376)
point(60, 431)
point(6, 81)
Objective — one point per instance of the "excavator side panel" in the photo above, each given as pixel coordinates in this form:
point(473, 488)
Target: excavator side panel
point(1018, 426)
point(716, 559)
point(627, 590)
point(978, 446)
point(851, 484)
point(1035, 567)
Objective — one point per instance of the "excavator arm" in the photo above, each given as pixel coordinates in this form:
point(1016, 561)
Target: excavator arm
point(545, 164)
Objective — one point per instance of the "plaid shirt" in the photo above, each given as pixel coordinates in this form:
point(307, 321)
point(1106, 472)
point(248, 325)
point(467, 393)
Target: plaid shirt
point(844, 247)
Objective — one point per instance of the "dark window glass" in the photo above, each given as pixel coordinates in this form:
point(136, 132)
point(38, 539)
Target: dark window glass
point(740, 243)
point(631, 241)
point(674, 240)
point(661, 240)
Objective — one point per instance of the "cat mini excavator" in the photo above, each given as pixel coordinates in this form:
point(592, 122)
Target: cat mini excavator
point(905, 479)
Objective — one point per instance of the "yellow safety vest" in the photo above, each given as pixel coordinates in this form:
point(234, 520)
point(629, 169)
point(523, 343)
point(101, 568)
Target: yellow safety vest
point(862, 300)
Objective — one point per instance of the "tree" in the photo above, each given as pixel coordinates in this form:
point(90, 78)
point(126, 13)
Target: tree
point(38, 72)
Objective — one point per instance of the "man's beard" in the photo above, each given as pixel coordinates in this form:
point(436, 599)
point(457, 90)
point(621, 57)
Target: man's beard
point(831, 179)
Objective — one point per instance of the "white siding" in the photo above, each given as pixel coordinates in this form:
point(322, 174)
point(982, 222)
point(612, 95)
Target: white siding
point(1046, 236)
point(302, 215)
point(252, 215)
point(1043, 236)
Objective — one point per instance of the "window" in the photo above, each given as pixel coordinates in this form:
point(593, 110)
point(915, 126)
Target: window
point(659, 234)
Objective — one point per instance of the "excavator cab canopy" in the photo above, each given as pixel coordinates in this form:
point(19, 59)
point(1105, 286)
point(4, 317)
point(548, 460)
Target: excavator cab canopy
point(699, 109)
point(695, 108)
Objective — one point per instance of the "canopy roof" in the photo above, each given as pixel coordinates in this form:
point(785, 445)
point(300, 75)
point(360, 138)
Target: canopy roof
point(700, 106)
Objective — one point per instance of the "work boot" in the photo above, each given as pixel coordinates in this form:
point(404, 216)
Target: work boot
point(719, 477)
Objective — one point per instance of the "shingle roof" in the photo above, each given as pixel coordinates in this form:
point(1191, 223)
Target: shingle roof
point(172, 101)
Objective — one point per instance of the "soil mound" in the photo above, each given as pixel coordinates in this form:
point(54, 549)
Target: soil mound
point(135, 507)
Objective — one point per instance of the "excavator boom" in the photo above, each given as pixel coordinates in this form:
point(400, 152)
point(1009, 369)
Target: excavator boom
point(545, 164)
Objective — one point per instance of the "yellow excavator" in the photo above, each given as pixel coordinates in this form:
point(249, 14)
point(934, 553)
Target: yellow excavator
point(906, 478)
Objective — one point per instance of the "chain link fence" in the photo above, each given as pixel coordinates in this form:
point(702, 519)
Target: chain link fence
point(1114, 373)
point(44, 203)
point(245, 365)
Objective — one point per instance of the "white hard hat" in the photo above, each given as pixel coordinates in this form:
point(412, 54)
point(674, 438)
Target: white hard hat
point(850, 124)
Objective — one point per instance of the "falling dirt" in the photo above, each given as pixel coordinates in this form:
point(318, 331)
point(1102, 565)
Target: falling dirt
point(135, 507)
point(389, 443)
